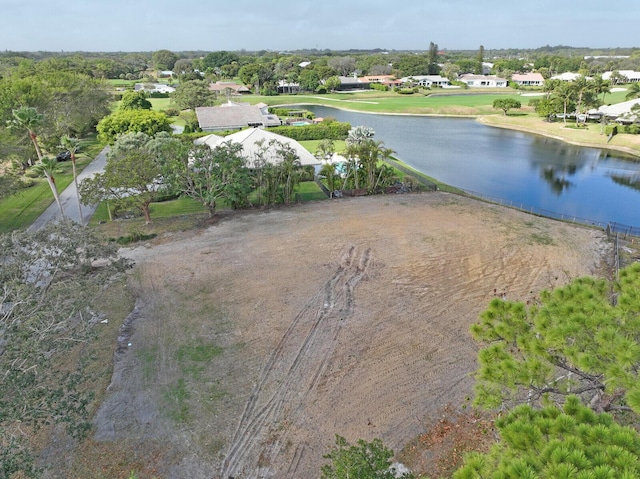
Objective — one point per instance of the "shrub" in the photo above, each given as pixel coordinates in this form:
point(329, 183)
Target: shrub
point(26, 182)
point(172, 112)
point(379, 86)
point(331, 131)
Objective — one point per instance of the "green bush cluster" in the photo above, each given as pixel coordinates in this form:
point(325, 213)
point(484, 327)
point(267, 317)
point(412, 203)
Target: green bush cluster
point(406, 91)
point(333, 131)
point(633, 129)
point(379, 86)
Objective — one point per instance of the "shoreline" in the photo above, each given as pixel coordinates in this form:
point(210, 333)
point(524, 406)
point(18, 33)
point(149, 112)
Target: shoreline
point(634, 152)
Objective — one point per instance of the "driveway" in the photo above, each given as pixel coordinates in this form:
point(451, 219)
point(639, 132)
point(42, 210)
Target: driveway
point(69, 198)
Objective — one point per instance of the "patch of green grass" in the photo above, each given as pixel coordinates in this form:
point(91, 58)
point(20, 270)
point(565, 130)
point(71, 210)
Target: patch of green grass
point(192, 356)
point(176, 398)
point(161, 104)
point(312, 145)
point(198, 352)
point(148, 357)
point(541, 238)
point(309, 191)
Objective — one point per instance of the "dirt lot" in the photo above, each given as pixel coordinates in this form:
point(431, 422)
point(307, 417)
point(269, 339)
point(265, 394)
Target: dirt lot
point(256, 340)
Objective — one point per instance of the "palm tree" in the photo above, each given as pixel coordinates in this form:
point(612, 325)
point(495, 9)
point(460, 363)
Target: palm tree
point(73, 145)
point(325, 150)
point(329, 173)
point(633, 92)
point(566, 94)
point(359, 134)
point(28, 118)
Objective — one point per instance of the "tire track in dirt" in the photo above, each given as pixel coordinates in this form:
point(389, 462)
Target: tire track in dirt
point(293, 370)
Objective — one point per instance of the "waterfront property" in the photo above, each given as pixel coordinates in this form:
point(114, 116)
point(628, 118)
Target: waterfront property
point(235, 116)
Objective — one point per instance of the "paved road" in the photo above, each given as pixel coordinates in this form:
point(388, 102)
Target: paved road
point(69, 198)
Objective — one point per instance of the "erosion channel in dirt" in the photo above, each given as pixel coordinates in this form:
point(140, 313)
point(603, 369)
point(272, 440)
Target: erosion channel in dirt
point(258, 339)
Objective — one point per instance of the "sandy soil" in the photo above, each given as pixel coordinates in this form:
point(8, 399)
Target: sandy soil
point(348, 317)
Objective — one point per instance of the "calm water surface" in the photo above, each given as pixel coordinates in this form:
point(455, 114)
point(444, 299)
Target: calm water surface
point(519, 167)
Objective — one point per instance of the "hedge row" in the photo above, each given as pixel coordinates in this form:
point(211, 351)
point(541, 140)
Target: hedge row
point(633, 129)
point(333, 131)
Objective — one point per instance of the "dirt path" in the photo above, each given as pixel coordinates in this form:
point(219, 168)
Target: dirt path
point(348, 317)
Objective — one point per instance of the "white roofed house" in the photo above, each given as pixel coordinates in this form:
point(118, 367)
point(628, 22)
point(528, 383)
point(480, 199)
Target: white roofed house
point(622, 112)
point(528, 79)
point(566, 76)
point(427, 81)
point(630, 75)
point(254, 140)
point(483, 81)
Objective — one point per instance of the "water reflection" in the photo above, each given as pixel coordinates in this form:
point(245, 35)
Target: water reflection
point(556, 177)
point(631, 181)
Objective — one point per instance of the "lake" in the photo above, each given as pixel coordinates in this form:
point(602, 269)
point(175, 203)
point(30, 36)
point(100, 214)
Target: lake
point(546, 174)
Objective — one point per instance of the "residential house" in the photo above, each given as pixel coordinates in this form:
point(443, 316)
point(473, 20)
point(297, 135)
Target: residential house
point(528, 79)
point(567, 76)
point(483, 81)
point(253, 140)
point(154, 88)
point(620, 112)
point(235, 116)
point(388, 80)
point(233, 88)
point(285, 86)
point(352, 84)
point(630, 75)
point(428, 81)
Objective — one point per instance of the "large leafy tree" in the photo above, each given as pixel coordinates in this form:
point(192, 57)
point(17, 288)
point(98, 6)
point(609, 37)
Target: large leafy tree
point(506, 104)
point(122, 122)
point(135, 100)
point(208, 175)
point(571, 443)
point(164, 59)
point(192, 94)
point(579, 339)
point(131, 177)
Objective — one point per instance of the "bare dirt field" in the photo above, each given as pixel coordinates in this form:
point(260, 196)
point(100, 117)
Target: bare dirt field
point(258, 339)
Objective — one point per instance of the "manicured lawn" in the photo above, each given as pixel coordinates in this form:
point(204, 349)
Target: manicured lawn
point(161, 104)
point(20, 210)
point(309, 191)
point(312, 145)
point(164, 209)
point(462, 102)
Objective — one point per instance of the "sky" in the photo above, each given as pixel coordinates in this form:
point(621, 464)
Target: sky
point(211, 25)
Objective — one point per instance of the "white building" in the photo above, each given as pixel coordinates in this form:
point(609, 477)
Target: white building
point(483, 81)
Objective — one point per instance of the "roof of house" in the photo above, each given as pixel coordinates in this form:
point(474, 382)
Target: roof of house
point(630, 74)
point(470, 76)
point(529, 77)
point(252, 141)
point(617, 109)
point(378, 79)
point(567, 76)
point(233, 116)
point(221, 86)
point(431, 78)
